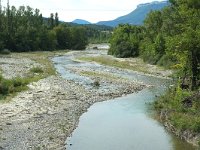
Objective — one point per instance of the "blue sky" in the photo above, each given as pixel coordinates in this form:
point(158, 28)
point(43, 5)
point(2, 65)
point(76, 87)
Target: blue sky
point(91, 10)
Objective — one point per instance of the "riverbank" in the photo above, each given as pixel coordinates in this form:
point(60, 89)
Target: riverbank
point(134, 64)
point(17, 70)
point(44, 115)
point(176, 116)
point(179, 111)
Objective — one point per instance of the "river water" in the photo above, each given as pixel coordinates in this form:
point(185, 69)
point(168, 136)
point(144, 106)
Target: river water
point(121, 124)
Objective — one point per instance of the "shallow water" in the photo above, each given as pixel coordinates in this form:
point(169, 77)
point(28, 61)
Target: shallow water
point(121, 124)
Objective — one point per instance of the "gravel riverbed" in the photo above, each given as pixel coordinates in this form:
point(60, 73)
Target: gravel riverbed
point(14, 66)
point(43, 116)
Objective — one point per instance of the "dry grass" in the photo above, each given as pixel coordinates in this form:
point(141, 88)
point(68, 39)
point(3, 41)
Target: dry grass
point(135, 64)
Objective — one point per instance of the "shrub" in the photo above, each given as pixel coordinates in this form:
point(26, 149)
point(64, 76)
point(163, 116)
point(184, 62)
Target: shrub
point(180, 115)
point(5, 86)
point(11, 86)
point(96, 83)
point(36, 70)
point(167, 61)
point(19, 82)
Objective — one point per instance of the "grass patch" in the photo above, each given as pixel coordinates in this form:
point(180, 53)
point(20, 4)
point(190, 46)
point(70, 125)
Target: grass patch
point(9, 87)
point(36, 70)
point(183, 108)
point(136, 65)
point(107, 61)
point(43, 58)
point(101, 75)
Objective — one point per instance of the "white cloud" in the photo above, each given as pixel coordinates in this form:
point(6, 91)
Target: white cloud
point(91, 10)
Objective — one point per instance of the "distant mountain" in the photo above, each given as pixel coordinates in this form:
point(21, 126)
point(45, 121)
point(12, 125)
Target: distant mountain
point(137, 16)
point(80, 21)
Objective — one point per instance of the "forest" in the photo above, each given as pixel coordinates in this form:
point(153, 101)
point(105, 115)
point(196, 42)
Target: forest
point(169, 38)
point(25, 29)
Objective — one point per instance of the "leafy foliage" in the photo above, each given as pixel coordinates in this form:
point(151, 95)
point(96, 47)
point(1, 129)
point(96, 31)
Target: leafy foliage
point(183, 109)
point(169, 37)
point(125, 41)
point(11, 86)
point(25, 29)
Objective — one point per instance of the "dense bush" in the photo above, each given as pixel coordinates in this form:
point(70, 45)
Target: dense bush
point(125, 41)
point(11, 86)
point(183, 108)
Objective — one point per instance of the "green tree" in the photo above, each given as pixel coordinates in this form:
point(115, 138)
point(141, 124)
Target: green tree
point(56, 19)
point(189, 39)
point(51, 21)
point(125, 41)
point(25, 29)
point(63, 36)
point(79, 38)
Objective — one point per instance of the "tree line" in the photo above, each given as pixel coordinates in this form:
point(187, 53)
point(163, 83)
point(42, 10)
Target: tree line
point(169, 37)
point(96, 33)
point(25, 29)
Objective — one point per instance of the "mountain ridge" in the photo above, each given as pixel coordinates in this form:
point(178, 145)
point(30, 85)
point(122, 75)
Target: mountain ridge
point(137, 16)
point(81, 21)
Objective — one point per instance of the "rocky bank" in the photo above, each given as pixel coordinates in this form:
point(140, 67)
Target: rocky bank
point(43, 116)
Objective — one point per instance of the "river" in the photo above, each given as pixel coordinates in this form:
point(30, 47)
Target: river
point(125, 123)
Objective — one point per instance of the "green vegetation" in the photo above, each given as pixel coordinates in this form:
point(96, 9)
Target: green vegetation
point(36, 70)
point(98, 33)
point(106, 61)
point(96, 36)
point(95, 33)
point(100, 75)
point(24, 29)
point(125, 41)
point(171, 38)
point(96, 83)
point(9, 87)
point(182, 108)
point(42, 58)
point(136, 65)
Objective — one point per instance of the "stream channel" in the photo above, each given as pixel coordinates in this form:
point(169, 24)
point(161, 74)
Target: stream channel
point(125, 123)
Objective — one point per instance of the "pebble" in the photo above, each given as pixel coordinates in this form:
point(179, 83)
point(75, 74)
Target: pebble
point(54, 105)
point(16, 67)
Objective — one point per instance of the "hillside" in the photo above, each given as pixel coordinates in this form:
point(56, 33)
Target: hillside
point(81, 21)
point(137, 16)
